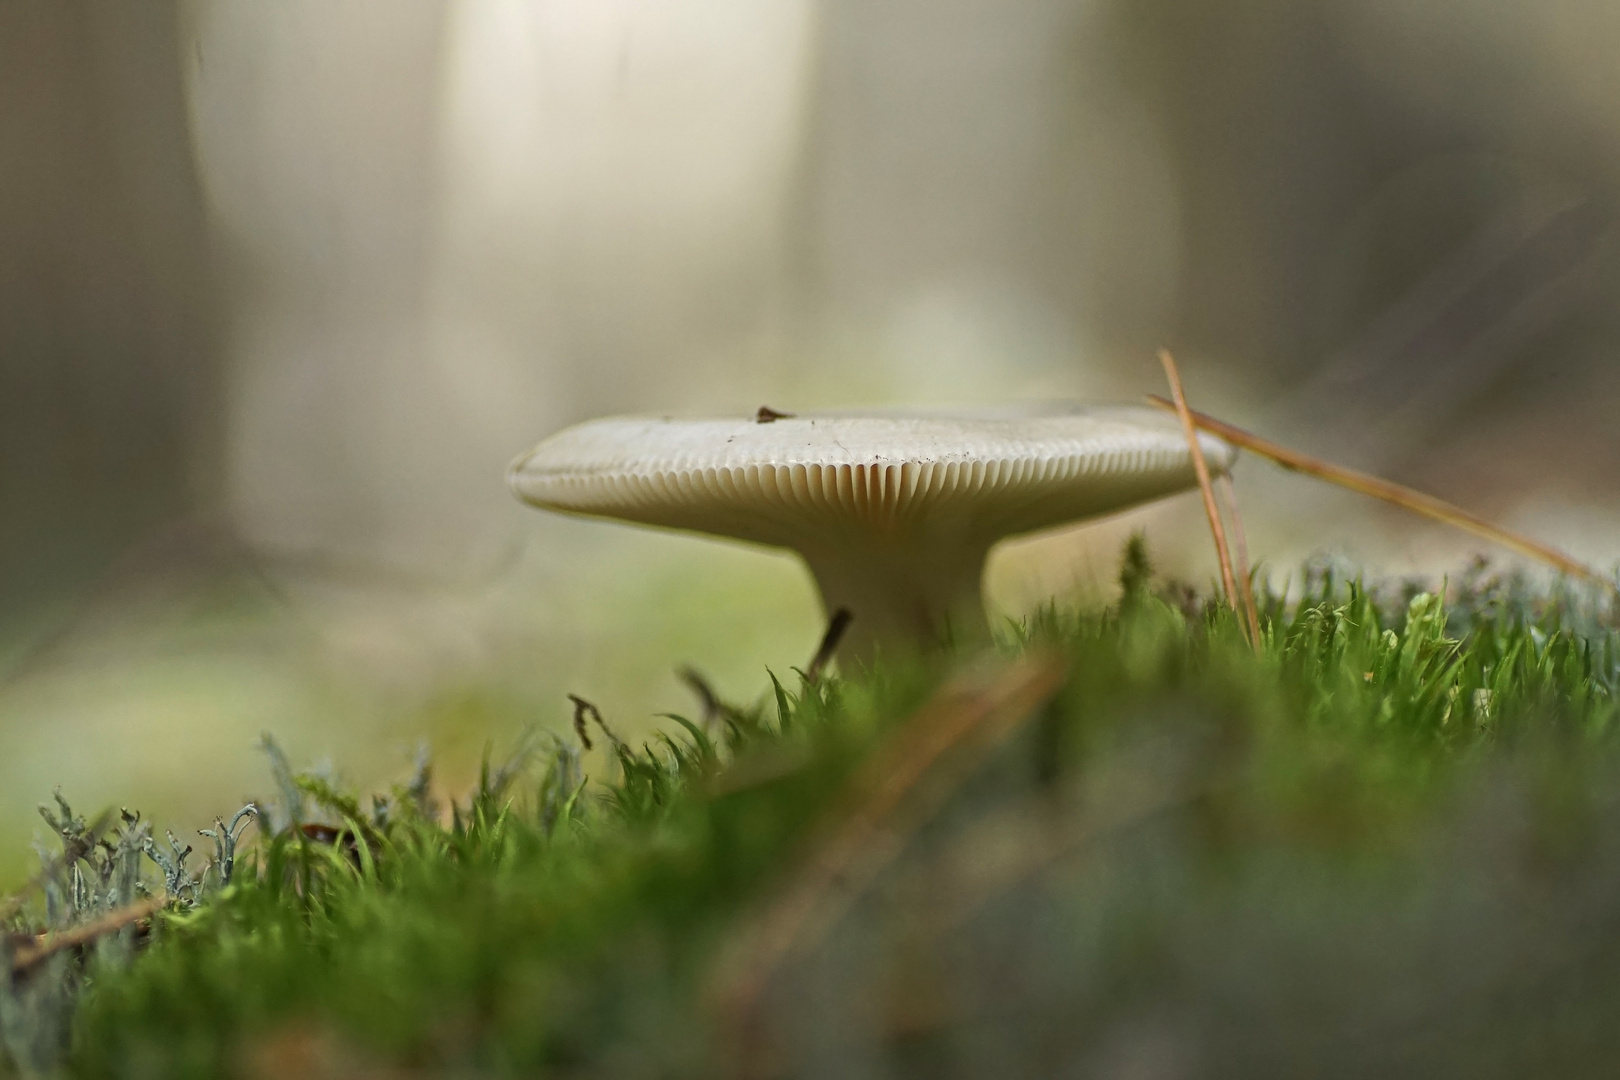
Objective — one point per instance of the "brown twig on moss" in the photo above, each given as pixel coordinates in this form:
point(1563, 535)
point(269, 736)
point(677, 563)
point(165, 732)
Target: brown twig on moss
point(1201, 467)
point(897, 790)
point(27, 956)
point(1391, 492)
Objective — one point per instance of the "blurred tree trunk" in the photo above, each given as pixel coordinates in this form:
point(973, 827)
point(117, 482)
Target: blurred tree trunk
point(316, 128)
point(108, 366)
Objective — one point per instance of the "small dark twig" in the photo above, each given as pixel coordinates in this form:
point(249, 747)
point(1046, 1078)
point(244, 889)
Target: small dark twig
point(713, 707)
point(580, 708)
point(768, 415)
point(584, 709)
point(836, 628)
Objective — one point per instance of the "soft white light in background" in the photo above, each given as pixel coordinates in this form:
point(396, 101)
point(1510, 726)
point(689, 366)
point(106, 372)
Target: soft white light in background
point(614, 179)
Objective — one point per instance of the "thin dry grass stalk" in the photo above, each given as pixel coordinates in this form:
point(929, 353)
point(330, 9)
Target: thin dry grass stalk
point(27, 956)
point(1201, 467)
point(1391, 492)
point(1240, 556)
point(893, 794)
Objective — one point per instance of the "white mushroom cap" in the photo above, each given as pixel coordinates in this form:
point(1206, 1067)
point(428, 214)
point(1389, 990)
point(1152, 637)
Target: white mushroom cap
point(894, 514)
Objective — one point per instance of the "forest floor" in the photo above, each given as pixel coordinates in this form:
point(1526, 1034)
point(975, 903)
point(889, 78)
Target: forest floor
point(1123, 843)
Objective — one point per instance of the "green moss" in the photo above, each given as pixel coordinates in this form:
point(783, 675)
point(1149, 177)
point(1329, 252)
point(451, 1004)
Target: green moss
point(1389, 837)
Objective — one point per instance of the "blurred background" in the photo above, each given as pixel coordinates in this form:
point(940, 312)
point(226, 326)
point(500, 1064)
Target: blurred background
point(284, 286)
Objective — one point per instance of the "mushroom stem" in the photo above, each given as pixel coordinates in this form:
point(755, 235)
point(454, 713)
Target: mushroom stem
point(905, 597)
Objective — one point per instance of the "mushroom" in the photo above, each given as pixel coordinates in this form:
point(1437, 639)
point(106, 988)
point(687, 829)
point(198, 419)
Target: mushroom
point(894, 514)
